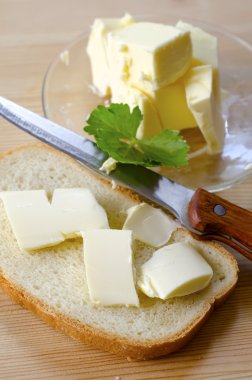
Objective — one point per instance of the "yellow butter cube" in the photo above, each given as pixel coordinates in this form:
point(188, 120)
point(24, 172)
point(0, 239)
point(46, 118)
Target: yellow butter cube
point(173, 108)
point(151, 123)
point(204, 105)
point(144, 51)
point(97, 50)
point(171, 105)
point(204, 45)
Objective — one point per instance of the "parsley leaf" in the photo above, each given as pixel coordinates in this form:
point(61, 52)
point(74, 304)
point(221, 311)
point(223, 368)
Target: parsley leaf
point(115, 129)
point(168, 147)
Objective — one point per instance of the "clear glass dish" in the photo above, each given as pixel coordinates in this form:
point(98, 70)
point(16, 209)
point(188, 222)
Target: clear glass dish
point(67, 99)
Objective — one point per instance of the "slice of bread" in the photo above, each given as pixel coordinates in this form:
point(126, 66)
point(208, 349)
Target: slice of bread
point(52, 283)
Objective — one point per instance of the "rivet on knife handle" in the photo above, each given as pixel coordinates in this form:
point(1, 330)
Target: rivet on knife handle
point(221, 220)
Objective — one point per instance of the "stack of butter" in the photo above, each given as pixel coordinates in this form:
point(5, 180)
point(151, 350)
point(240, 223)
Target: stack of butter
point(170, 72)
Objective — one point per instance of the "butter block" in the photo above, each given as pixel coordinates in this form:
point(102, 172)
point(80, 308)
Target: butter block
point(125, 93)
point(144, 51)
point(109, 268)
point(204, 45)
point(173, 271)
point(171, 105)
point(97, 50)
point(149, 225)
point(204, 105)
point(156, 67)
point(37, 223)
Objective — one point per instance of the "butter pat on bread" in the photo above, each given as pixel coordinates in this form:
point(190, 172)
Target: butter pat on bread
point(149, 224)
point(175, 270)
point(109, 267)
point(37, 223)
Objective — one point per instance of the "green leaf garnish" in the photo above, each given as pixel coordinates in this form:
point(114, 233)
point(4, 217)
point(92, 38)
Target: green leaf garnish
point(115, 129)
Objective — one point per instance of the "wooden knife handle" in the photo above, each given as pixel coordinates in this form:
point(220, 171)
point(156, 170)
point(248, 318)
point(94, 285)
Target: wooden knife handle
point(221, 220)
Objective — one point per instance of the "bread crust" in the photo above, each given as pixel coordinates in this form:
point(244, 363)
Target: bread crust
point(132, 349)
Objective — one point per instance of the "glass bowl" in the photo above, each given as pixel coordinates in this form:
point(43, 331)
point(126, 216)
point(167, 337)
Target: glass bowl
point(68, 98)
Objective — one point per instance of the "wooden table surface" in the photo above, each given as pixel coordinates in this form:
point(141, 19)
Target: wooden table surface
point(32, 32)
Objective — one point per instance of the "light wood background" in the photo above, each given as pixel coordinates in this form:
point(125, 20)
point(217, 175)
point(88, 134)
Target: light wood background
point(32, 32)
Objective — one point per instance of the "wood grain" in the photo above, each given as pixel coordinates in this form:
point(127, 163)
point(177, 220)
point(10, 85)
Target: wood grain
point(31, 34)
point(221, 220)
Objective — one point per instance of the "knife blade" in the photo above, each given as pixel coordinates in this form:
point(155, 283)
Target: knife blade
point(206, 215)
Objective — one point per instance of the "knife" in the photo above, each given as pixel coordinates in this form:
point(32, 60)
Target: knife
point(205, 215)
